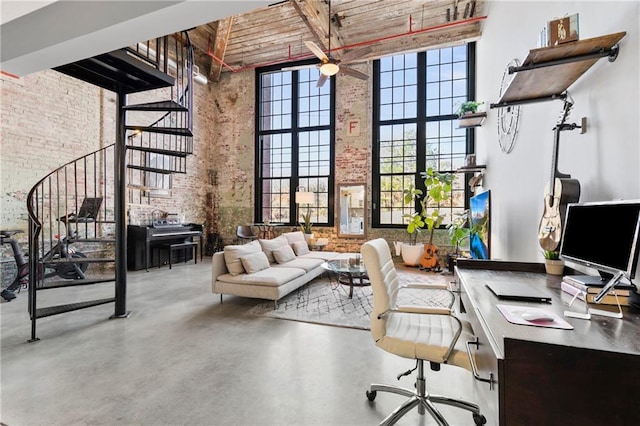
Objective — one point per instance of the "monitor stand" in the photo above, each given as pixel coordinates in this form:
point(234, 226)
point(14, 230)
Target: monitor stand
point(589, 280)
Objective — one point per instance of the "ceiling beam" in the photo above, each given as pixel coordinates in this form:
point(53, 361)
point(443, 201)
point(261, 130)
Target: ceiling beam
point(315, 14)
point(220, 43)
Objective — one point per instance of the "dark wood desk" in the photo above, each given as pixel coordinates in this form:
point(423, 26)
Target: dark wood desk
point(542, 376)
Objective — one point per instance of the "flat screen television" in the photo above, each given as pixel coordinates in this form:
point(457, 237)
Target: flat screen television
point(604, 236)
point(480, 236)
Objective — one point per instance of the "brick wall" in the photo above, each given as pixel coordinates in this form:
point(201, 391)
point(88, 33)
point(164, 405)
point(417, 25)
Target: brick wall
point(48, 119)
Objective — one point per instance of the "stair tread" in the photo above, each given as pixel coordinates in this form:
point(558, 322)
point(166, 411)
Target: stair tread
point(158, 151)
point(179, 131)
point(157, 106)
point(118, 71)
point(152, 170)
point(47, 285)
point(82, 260)
point(59, 309)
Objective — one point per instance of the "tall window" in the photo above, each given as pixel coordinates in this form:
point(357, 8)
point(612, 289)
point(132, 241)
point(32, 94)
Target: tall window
point(416, 96)
point(294, 147)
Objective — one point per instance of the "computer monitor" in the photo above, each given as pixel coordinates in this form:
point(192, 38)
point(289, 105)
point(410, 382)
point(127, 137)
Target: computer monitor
point(604, 236)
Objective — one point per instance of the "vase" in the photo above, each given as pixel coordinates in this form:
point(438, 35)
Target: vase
point(308, 237)
point(554, 267)
point(412, 253)
point(398, 246)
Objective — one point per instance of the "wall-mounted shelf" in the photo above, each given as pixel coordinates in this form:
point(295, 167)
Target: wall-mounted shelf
point(475, 180)
point(472, 120)
point(547, 72)
point(471, 169)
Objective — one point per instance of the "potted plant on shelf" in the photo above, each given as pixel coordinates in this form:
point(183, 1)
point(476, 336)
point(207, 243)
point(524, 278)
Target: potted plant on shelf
point(469, 107)
point(469, 115)
point(552, 262)
point(437, 189)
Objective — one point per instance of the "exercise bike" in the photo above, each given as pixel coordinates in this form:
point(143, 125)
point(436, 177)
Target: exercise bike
point(49, 265)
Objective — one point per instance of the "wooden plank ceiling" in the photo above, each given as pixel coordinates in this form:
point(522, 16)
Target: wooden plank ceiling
point(276, 34)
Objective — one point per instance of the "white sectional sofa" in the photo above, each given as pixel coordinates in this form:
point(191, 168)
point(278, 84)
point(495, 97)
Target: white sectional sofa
point(267, 269)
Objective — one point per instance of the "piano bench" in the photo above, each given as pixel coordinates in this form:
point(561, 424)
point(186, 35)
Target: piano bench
point(183, 247)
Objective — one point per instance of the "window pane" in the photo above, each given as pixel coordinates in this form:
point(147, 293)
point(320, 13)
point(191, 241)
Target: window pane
point(444, 147)
point(280, 143)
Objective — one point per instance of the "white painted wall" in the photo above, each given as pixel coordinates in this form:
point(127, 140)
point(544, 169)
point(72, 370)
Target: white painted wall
point(605, 160)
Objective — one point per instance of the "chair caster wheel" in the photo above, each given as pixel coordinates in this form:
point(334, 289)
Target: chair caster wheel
point(479, 419)
point(371, 395)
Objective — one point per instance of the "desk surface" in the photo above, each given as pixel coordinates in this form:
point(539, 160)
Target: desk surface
point(600, 333)
point(586, 376)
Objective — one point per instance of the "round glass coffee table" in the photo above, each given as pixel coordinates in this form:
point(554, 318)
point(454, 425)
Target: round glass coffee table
point(350, 272)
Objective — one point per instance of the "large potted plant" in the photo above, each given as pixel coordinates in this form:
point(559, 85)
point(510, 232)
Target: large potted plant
point(437, 190)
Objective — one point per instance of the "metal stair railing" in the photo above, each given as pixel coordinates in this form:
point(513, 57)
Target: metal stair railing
point(60, 232)
point(63, 228)
point(156, 151)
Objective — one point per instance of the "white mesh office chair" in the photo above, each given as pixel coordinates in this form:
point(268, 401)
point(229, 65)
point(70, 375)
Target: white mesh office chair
point(424, 333)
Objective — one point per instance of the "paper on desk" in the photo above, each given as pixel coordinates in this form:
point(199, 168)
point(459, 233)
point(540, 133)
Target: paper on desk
point(513, 314)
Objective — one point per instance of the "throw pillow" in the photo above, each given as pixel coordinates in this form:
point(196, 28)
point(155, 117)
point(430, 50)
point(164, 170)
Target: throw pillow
point(269, 245)
point(300, 248)
point(255, 262)
point(232, 255)
point(292, 237)
point(284, 254)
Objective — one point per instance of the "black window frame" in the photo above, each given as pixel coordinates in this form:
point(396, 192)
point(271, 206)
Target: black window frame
point(420, 121)
point(295, 130)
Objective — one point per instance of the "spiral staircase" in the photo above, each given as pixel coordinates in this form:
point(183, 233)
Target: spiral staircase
point(77, 213)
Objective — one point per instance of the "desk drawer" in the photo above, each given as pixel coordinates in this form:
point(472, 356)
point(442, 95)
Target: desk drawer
point(486, 363)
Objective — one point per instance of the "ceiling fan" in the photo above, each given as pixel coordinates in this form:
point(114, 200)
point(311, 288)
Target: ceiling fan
point(331, 66)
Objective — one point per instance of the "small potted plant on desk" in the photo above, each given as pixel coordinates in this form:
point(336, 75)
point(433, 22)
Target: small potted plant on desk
point(552, 262)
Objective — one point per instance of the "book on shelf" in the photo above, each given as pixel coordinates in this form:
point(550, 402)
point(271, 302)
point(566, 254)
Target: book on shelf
point(609, 299)
point(579, 282)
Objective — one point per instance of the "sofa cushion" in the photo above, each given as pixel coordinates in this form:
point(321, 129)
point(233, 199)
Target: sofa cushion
point(270, 277)
point(284, 254)
point(254, 262)
point(292, 237)
point(324, 255)
point(232, 255)
point(269, 245)
point(299, 262)
point(300, 248)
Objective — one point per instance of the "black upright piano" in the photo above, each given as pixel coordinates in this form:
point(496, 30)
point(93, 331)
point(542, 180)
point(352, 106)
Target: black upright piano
point(145, 244)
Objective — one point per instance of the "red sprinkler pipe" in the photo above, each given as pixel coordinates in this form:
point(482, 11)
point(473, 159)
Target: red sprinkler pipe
point(350, 46)
point(8, 74)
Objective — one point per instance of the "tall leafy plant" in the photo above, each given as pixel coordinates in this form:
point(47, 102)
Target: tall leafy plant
point(437, 190)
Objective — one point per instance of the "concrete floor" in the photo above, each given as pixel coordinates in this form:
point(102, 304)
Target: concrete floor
point(184, 358)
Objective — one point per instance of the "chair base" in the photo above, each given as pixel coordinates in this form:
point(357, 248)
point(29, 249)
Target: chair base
point(424, 401)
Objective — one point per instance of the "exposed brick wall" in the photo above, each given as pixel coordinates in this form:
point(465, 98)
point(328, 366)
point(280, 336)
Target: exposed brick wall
point(48, 119)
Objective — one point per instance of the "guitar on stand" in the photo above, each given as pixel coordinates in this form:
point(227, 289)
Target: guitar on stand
point(560, 191)
point(429, 259)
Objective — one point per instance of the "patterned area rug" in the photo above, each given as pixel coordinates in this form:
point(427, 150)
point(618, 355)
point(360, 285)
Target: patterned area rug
point(324, 301)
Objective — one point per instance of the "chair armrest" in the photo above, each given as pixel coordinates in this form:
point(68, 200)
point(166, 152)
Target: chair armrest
point(426, 310)
point(413, 309)
point(431, 286)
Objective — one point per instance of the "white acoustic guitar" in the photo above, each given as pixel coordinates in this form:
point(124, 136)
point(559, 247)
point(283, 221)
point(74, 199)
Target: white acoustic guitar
point(560, 191)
